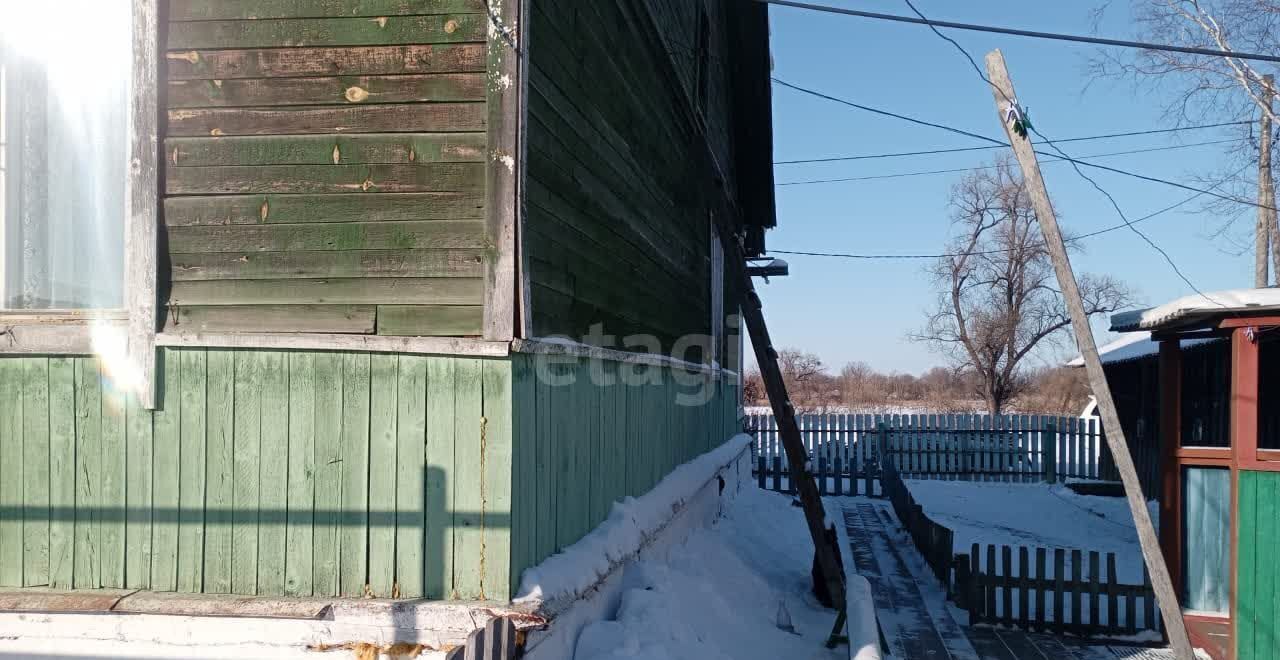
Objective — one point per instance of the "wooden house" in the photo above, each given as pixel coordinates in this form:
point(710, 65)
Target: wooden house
point(279, 275)
point(1200, 407)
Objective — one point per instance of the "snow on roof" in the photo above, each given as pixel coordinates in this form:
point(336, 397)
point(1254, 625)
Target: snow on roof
point(1189, 309)
point(1134, 345)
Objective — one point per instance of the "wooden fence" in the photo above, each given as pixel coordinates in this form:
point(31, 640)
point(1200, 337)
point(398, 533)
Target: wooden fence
point(1072, 597)
point(495, 641)
point(846, 448)
point(935, 541)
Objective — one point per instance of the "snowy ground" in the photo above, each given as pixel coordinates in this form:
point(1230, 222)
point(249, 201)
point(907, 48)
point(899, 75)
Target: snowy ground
point(717, 596)
point(1033, 515)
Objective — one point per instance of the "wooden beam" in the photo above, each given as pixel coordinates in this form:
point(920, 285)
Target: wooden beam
point(505, 70)
point(142, 197)
point(1162, 583)
point(327, 342)
point(1170, 378)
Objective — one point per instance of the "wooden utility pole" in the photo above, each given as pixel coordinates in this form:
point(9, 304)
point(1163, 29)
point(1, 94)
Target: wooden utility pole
point(785, 415)
point(1268, 232)
point(1022, 148)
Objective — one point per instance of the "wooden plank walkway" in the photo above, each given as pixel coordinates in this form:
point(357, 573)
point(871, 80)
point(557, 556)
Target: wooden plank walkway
point(917, 622)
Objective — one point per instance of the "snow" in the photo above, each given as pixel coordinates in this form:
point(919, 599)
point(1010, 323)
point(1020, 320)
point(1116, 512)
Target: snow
point(720, 594)
point(1133, 346)
point(1191, 308)
point(570, 573)
point(1034, 515)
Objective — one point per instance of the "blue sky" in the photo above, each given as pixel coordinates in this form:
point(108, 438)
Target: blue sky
point(847, 310)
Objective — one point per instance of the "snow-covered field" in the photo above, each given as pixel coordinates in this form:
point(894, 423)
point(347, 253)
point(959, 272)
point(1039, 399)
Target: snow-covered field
point(718, 595)
point(1034, 515)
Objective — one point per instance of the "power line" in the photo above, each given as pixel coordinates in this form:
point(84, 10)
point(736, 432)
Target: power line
point(1072, 239)
point(1123, 43)
point(833, 159)
point(1001, 143)
point(1075, 164)
point(1054, 159)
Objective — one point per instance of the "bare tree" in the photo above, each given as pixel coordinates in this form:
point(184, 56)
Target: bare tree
point(997, 301)
point(1208, 88)
point(806, 378)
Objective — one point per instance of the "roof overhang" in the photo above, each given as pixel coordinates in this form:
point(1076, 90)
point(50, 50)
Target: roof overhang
point(1199, 311)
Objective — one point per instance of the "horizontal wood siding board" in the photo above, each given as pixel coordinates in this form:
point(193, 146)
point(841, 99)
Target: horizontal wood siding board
point(381, 118)
point(359, 31)
point(211, 10)
point(357, 291)
point(430, 320)
point(347, 319)
point(312, 179)
point(366, 149)
point(321, 264)
point(304, 62)
point(297, 209)
point(329, 90)
point(329, 236)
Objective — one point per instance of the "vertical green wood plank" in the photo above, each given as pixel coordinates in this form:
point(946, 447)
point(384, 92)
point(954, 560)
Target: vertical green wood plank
point(382, 473)
point(497, 491)
point(220, 481)
point(1270, 538)
point(62, 466)
point(11, 467)
point(441, 391)
point(468, 468)
point(1266, 582)
point(328, 470)
point(411, 478)
point(353, 545)
point(546, 520)
point(246, 446)
point(167, 466)
point(524, 475)
point(1247, 564)
point(193, 477)
point(138, 494)
point(592, 416)
point(88, 561)
point(635, 436)
point(273, 474)
point(35, 472)
point(563, 432)
point(113, 486)
point(299, 538)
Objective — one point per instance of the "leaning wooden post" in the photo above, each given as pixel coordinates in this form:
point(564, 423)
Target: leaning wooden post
point(1002, 89)
point(1049, 452)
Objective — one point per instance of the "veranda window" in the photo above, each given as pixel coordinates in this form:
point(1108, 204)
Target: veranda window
point(64, 147)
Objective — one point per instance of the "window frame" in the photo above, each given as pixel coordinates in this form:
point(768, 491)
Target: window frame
point(70, 331)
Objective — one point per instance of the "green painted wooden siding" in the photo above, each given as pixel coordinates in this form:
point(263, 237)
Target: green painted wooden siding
point(1257, 609)
point(620, 184)
point(325, 166)
point(580, 446)
point(262, 472)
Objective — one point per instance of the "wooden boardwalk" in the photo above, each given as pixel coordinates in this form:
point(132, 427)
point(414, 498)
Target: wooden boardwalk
point(916, 620)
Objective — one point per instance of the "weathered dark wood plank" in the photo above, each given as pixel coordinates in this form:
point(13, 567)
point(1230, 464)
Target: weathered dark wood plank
point(205, 10)
point(350, 319)
point(320, 264)
point(430, 320)
point(293, 32)
point(417, 88)
point(366, 291)
point(334, 236)
point(393, 118)
point(292, 62)
point(395, 148)
point(291, 209)
point(306, 179)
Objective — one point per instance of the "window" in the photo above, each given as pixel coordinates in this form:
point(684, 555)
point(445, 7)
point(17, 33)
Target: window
point(1206, 539)
point(64, 147)
point(1206, 395)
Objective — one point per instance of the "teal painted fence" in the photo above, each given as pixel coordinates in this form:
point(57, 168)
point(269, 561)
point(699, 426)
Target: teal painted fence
point(581, 444)
point(272, 473)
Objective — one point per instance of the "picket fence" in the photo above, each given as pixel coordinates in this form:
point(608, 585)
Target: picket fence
point(844, 449)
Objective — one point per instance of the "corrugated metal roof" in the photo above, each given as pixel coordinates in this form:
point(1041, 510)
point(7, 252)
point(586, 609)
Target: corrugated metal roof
point(1191, 309)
